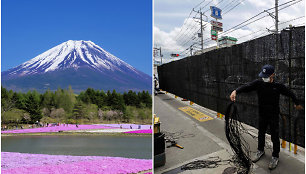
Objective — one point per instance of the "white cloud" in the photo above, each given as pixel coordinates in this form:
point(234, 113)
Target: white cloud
point(171, 14)
point(262, 3)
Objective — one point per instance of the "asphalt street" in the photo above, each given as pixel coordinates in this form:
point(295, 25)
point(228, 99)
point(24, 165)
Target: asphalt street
point(202, 135)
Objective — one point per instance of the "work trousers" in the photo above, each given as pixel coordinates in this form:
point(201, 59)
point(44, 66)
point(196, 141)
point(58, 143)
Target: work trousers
point(270, 119)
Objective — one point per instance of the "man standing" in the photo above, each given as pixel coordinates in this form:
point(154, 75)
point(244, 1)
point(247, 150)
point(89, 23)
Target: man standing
point(268, 93)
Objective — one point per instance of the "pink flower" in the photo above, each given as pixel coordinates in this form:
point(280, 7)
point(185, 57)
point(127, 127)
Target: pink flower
point(70, 127)
point(48, 164)
point(145, 131)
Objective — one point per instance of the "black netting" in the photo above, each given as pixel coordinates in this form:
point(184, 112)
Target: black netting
point(209, 78)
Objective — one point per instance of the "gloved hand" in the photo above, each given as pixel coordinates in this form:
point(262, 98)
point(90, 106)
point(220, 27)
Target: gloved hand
point(298, 107)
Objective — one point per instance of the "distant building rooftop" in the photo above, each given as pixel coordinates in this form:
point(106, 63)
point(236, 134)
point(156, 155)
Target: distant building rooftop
point(226, 41)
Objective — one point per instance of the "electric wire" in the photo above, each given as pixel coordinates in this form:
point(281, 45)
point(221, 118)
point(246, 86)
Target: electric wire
point(189, 34)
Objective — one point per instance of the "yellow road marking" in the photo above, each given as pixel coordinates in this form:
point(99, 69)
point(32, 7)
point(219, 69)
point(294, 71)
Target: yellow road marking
point(195, 114)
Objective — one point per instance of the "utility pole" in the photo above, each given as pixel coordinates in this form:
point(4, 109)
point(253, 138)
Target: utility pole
point(276, 29)
point(276, 33)
point(161, 56)
point(276, 16)
point(201, 30)
point(201, 24)
point(191, 50)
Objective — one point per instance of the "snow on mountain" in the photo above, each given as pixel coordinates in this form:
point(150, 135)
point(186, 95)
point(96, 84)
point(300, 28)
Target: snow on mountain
point(79, 64)
point(72, 54)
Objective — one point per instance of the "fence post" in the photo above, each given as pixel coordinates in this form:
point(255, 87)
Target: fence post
point(283, 130)
point(296, 130)
point(289, 80)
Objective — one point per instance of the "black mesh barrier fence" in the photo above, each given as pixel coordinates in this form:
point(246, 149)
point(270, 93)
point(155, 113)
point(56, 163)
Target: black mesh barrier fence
point(208, 79)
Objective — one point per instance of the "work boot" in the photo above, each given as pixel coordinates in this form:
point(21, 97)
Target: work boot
point(273, 163)
point(257, 156)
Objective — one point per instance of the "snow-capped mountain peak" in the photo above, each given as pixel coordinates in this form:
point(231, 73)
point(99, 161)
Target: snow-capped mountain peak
point(72, 54)
point(79, 64)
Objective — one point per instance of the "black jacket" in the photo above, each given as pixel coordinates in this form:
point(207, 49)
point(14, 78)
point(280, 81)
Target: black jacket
point(268, 93)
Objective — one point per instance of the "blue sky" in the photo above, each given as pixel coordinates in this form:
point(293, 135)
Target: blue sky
point(123, 28)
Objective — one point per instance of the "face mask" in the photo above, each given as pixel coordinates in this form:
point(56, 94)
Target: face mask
point(266, 79)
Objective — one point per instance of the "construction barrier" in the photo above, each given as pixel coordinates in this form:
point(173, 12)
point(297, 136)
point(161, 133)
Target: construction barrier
point(208, 79)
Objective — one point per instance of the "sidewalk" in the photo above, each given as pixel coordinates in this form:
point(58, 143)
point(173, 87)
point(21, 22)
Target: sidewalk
point(207, 139)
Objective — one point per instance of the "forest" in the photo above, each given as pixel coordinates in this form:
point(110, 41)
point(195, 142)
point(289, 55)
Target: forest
point(64, 106)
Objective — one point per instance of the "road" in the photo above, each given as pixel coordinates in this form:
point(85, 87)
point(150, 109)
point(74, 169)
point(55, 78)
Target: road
point(204, 139)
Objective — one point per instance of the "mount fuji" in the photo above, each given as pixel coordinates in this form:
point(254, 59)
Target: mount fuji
point(80, 64)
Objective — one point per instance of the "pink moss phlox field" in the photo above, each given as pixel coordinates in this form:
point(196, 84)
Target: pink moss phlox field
point(145, 131)
point(15, 159)
point(129, 126)
point(70, 127)
point(47, 164)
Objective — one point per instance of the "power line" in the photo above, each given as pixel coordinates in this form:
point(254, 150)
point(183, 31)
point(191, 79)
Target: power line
point(187, 34)
point(206, 4)
point(239, 25)
point(199, 4)
point(229, 5)
point(233, 7)
point(189, 16)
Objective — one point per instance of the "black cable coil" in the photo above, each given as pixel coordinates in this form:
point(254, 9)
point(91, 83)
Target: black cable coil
point(240, 147)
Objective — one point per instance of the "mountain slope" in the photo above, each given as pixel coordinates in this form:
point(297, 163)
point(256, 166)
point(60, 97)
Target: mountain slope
point(81, 64)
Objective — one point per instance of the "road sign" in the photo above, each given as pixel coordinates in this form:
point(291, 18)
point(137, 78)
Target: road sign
point(214, 32)
point(216, 23)
point(214, 37)
point(216, 28)
point(215, 12)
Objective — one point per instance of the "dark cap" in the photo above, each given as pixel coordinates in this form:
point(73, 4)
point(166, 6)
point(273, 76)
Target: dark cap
point(267, 71)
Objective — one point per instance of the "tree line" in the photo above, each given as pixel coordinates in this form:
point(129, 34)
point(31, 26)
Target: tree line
point(62, 105)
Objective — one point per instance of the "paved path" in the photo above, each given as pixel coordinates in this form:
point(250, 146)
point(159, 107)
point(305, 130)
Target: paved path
point(203, 137)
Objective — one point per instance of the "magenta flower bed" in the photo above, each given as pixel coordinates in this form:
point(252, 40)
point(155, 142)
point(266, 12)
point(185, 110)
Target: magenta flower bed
point(128, 126)
point(145, 131)
point(24, 163)
point(70, 127)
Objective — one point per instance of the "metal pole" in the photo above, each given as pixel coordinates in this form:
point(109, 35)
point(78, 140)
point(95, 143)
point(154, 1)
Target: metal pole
point(201, 14)
point(289, 79)
point(276, 16)
point(276, 32)
point(161, 56)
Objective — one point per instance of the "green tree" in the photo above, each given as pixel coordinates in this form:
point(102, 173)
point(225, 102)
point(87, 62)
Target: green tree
point(101, 99)
point(117, 101)
point(127, 114)
point(78, 110)
point(145, 98)
point(131, 99)
point(12, 116)
point(142, 114)
point(19, 99)
point(47, 100)
point(109, 98)
point(65, 99)
point(32, 106)
point(7, 103)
